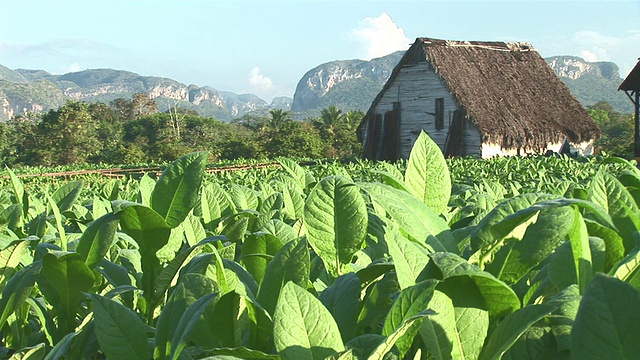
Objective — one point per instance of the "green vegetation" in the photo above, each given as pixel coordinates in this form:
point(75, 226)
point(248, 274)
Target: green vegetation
point(510, 258)
point(133, 131)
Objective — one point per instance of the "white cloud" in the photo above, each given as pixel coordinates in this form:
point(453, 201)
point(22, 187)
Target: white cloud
point(380, 36)
point(258, 81)
point(74, 67)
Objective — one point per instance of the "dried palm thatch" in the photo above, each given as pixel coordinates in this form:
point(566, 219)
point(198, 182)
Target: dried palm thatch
point(508, 91)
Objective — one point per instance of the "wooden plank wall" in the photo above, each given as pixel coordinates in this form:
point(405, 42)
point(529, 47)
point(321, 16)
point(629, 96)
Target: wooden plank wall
point(416, 87)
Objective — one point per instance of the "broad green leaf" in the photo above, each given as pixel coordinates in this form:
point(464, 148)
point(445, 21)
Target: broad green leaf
point(59, 351)
point(413, 216)
point(67, 194)
point(336, 218)
point(97, 239)
point(342, 299)
point(257, 251)
point(411, 302)
point(606, 191)
point(278, 228)
point(427, 175)
point(460, 277)
point(176, 191)
point(614, 243)
point(628, 269)
point(540, 239)
point(120, 332)
point(17, 290)
point(294, 170)
point(454, 333)
point(145, 189)
point(537, 342)
point(168, 322)
point(243, 198)
point(388, 344)
point(409, 258)
point(168, 274)
point(303, 328)
point(607, 325)
point(562, 319)
point(488, 234)
point(10, 258)
point(209, 203)
point(274, 201)
point(511, 328)
point(291, 263)
point(58, 217)
point(151, 232)
point(579, 239)
point(36, 352)
point(187, 324)
point(63, 279)
point(380, 297)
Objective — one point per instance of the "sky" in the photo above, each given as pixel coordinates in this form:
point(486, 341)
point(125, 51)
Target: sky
point(265, 47)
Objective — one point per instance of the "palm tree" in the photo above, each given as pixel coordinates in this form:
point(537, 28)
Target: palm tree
point(330, 118)
point(279, 119)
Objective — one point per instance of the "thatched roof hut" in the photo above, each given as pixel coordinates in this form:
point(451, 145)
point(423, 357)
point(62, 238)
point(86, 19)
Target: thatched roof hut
point(510, 95)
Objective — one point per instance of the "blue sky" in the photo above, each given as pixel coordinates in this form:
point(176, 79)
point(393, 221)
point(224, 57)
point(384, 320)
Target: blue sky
point(265, 47)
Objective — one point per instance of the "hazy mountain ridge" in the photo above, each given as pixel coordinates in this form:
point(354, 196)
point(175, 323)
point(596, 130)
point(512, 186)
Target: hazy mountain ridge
point(25, 90)
point(346, 84)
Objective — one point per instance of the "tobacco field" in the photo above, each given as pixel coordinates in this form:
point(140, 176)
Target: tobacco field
point(508, 258)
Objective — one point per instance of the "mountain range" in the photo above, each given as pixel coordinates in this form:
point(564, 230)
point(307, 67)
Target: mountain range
point(346, 84)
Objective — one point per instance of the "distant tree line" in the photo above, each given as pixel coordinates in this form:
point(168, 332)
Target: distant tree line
point(127, 131)
point(617, 130)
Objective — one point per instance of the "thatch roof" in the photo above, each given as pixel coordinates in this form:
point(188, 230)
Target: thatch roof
point(632, 82)
point(507, 90)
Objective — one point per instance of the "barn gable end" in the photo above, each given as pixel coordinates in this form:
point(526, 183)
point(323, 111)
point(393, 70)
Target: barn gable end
point(473, 98)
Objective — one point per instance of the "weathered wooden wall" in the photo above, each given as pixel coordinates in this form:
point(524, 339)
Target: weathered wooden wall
point(416, 88)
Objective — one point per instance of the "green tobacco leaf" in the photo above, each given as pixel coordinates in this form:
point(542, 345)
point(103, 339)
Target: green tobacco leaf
point(511, 328)
point(336, 218)
point(257, 251)
point(492, 294)
point(539, 241)
point(63, 280)
point(209, 203)
point(10, 258)
point(379, 300)
point(168, 322)
point(59, 222)
point(176, 191)
point(18, 289)
point(606, 191)
point(120, 332)
point(607, 325)
point(579, 239)
point(278, 228)
point(294, 170)
point(427, 175)
point(614, 244)
point(488, 234)
point(187, 324)
point(411, 302)
point(413, 216)
point(561, 321)
point(67, 194)
point(409, 258)
point(97, 239)
point(291, 263)
point(628, 269)
point(342, 299)
point(243, 198)
point(151, 232)
point(388, 344)
point(302, 327)
point(454, 333)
